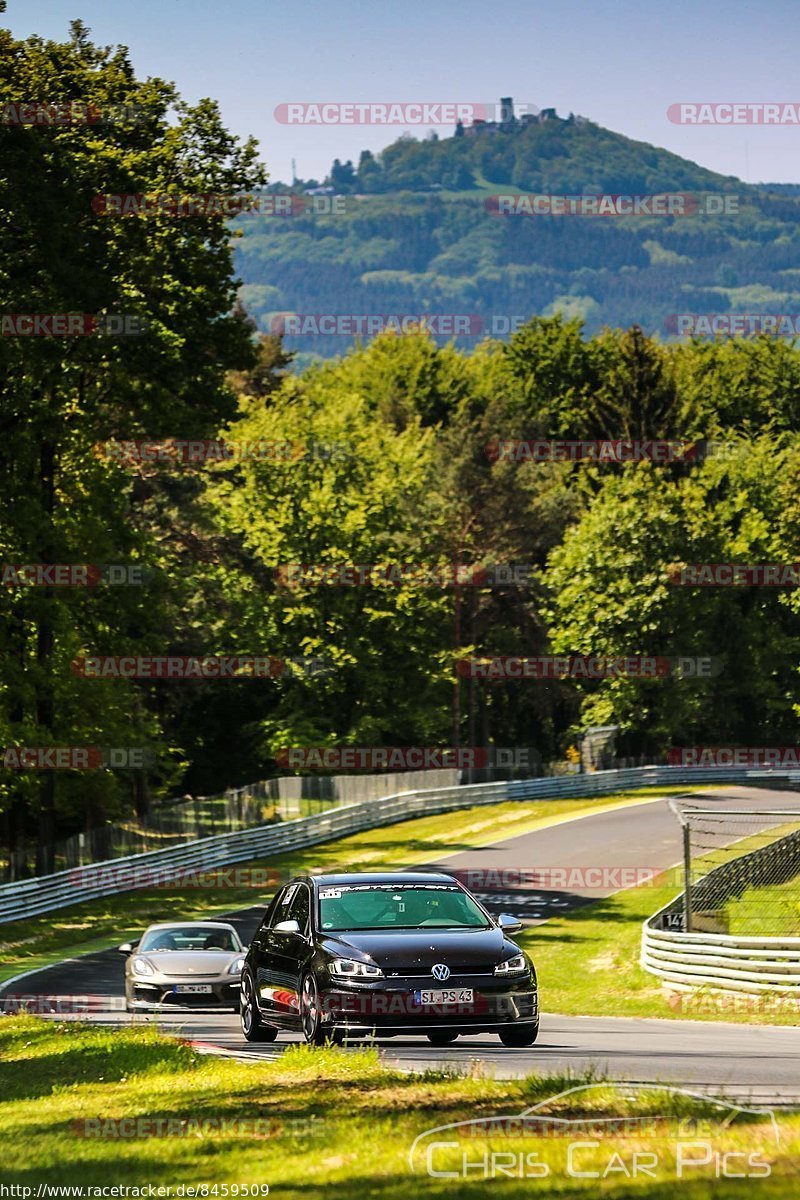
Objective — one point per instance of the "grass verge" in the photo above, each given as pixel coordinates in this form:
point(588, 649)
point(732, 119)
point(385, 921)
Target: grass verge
point(87, 1106)
point(772, 911)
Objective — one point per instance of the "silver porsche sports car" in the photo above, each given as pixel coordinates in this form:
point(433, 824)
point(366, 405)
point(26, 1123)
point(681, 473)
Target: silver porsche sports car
point(190, 963)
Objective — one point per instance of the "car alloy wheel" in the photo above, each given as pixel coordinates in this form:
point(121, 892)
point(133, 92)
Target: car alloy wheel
point(310, 1014)
point(252, 1027)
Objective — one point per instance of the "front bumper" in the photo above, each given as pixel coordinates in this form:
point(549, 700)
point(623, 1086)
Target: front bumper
point(146, 993)
point(390, 1007)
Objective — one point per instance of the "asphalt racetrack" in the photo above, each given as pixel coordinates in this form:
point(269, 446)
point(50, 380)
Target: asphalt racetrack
point(758, 1062)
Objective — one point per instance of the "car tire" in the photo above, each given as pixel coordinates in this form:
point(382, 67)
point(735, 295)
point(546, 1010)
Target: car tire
point(253, 1027)
point(442, 1039)
point(313, 1032)
point(519, 1035)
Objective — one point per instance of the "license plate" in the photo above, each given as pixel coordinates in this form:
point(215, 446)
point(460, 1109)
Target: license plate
point(445, 996)
point(194, 988)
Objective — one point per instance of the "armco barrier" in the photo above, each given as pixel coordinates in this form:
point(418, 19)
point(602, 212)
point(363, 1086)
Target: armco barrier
point(722, 961)
point(718, 960)
point(30, 897)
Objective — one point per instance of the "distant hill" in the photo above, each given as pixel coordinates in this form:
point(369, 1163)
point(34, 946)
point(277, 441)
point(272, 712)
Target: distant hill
point(420, 234)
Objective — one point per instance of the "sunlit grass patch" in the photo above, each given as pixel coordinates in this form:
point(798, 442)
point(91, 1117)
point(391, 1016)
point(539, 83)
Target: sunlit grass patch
point(84, 1105)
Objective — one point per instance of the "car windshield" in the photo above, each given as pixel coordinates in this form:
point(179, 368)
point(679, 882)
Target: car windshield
point(397, 906)
point(191, 937)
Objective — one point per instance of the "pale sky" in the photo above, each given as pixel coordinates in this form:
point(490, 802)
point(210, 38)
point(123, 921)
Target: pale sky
point(620, 64)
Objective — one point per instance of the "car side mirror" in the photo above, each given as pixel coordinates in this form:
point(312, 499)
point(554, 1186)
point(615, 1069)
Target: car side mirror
point(286, 927)
point(509, 923)
point(126, 948)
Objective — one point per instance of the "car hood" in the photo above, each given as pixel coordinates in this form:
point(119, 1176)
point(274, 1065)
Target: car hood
point(415, 951)
point(190, 962)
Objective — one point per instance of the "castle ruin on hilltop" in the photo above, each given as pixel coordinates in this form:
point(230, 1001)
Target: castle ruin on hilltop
point(508, 122)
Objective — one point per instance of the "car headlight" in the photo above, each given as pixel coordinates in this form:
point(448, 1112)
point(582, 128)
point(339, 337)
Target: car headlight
point(140, 966)
point(512, 966)
point(348, 968)
point(237, 966)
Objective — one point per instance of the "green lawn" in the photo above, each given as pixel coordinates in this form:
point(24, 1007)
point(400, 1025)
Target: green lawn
point(319, 1123)
point(82, 928)
point(766, 911)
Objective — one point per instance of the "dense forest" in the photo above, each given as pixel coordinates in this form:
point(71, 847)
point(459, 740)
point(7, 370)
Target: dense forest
point(417, 232)
point(386, 455)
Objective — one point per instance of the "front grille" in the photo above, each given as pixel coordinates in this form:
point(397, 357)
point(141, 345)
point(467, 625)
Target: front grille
point(201, 977)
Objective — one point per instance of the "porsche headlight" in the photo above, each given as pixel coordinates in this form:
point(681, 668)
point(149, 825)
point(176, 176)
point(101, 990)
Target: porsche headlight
point(237, 966)
point(512, 966)
point(140, 966)
point(348, 968)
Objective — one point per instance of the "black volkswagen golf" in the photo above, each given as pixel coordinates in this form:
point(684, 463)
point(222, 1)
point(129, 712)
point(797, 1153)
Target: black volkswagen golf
point(388, 954)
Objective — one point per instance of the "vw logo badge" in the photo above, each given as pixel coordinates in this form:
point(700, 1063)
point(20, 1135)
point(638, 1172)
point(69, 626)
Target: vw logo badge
point(440, 971)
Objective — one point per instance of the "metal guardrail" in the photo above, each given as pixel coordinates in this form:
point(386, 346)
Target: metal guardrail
point(727, 962)
point(719, 960)
point(31, 897)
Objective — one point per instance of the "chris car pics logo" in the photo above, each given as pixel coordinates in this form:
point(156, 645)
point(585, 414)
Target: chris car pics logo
point(596, 1143)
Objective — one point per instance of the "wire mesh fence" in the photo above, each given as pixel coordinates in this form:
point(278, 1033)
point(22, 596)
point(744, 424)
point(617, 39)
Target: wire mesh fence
point(166, 825)
point(195, 817)
point(741, 872)
point(280, 798)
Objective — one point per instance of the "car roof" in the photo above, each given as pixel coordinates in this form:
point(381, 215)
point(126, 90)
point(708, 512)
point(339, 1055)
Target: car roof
point(189, 924)
point(389, 877)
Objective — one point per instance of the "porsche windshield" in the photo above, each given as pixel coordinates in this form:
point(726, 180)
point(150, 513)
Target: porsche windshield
point(191, 937)
point(404, 906)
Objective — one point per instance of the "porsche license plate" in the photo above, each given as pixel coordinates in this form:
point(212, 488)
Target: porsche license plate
point(445, 996)
point(194, 988)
